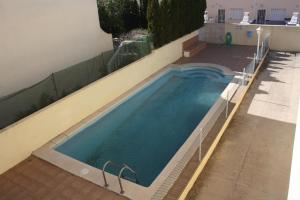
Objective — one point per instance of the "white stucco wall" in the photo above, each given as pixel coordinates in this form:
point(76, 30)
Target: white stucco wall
point(294, 192)
point(251, 6)
point(212, 33)
point(214, 5)
point(282, 38)
point(38, 37)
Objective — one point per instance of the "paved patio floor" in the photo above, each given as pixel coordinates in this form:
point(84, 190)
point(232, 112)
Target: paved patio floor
point(235, 57)
point(253, 159)
point(35, 179)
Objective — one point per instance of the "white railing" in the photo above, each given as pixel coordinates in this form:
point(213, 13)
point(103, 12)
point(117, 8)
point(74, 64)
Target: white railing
point(265, 45)
point(249, 70)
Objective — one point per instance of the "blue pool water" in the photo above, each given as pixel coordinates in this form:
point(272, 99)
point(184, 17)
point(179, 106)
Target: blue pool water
point(147, 130)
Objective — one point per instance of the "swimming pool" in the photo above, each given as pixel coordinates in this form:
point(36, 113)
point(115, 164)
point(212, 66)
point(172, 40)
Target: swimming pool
point(147, 129)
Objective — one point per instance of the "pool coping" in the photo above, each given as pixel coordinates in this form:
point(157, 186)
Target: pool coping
point(132, 190)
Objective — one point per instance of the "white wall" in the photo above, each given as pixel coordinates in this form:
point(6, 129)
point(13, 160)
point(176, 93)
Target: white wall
point(294, 192)
point(283, 38)
point(38, 37)
point(214, 5)
point(212, 33)
point(251, 6)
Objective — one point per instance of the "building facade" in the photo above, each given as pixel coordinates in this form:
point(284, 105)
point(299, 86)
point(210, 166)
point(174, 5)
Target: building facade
point(264, 11)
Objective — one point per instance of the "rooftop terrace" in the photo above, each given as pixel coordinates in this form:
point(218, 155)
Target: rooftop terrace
point(37, 179)
point(253, 159)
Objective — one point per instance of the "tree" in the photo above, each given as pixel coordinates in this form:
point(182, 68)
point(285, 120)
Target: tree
point(110, 15)
point(153, 15)
point(131, 14)
point(174, 18)
point(119, 16)
point(166, 21)
point(143, 13)
point(166, 32)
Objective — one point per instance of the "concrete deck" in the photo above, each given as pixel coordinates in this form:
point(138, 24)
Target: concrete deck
point(253, 159)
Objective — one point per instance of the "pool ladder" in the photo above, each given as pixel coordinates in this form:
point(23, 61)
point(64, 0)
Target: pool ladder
point(124, 167)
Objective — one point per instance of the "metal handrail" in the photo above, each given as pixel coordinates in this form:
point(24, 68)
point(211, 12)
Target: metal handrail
point(120, 175)
point(103, 172)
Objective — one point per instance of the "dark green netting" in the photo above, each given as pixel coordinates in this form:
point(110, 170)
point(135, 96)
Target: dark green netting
point(73, 78)
point(106, 56)
point(99, 69)
point(23, 103)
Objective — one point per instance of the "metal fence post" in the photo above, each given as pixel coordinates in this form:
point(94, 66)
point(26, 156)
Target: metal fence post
point(254, 63)
point(200, 144)
point(227, 104)
point(55, 86)
point(262, 52)
point(243, 80)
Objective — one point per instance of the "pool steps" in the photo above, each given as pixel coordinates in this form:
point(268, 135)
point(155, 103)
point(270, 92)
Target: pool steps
point(124, 167)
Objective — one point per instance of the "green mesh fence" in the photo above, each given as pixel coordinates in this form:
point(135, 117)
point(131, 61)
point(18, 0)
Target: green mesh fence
point(128, 52)
point(27, 101)
point(23, 103)
point(72, 78)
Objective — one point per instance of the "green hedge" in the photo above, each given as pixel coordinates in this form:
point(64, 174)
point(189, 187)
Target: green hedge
point(171, 19)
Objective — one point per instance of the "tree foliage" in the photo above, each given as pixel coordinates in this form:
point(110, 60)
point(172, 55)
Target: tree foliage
point(118, 16)
point(172, 19)
point(167, 20)
point(110, 14)
point(143, 13)
point(153, 16)
point(131, 14)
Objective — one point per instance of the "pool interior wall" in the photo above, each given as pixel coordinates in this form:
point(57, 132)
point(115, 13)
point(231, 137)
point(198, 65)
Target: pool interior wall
point(147, 130)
